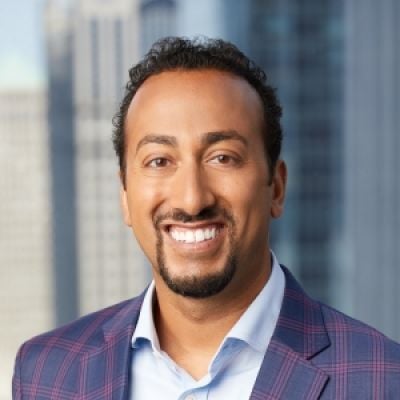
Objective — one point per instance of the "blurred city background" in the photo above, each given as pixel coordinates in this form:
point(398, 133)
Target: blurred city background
point(64, 250)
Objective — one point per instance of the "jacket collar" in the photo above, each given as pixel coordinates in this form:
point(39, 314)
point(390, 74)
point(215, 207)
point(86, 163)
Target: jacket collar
point(124, 321)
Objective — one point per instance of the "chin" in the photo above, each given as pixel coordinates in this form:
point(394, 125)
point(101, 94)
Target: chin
point(199, 286)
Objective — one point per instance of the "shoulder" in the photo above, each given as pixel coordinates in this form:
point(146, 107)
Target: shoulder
point(339, 344)
point(359, 339)
point(80, 336)
point(83, 330)
point(52, 362)
point(360, 361)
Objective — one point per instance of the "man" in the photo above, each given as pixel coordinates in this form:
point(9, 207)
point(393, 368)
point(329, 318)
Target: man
point(198, 139)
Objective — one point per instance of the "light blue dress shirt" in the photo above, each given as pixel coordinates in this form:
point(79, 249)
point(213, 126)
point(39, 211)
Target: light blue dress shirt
point(232, 371)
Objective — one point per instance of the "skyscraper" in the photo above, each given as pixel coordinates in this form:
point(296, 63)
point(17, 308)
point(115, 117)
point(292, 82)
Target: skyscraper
point(111, 267)
point(58, 28)
point(300, 46)
point(158, 18)
point(213, 18)
point(372, 138)
point(26, 275)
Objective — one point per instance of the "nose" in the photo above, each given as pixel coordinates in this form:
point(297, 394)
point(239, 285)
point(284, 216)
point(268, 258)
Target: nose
point(191, 189)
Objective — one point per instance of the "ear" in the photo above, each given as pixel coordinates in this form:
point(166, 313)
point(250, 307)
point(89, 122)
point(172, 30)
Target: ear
point(278, 189)
point(124, 203)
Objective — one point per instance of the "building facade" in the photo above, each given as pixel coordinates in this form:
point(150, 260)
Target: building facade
point(26, 275)
point(158, 18)
point(111, 266)
point(301, 48)
point(58, 29)
point(372, 141)
point(91, 44)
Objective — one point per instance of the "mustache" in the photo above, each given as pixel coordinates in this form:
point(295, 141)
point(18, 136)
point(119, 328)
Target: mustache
point(179, 215)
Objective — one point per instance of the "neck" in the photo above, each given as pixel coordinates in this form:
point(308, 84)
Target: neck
point(191, 330)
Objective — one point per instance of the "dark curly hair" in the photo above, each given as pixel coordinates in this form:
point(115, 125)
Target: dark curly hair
point(176, 53)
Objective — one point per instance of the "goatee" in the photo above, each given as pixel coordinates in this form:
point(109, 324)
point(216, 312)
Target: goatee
point(198, 286)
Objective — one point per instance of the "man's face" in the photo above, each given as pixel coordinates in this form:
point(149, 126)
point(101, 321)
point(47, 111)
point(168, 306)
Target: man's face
point(198, 193)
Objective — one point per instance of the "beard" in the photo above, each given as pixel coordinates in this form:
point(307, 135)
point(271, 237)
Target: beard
point(194, 286)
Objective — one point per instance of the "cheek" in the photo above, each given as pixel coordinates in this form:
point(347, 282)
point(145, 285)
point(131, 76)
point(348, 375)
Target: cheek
point(143, 200)
point(250, 204)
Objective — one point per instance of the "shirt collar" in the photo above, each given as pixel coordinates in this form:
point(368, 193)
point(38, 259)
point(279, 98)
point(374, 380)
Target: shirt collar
point(255, 326)
point(145, 329)
point(257, 323)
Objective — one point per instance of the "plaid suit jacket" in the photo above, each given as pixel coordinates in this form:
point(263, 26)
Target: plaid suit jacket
point(315, 353)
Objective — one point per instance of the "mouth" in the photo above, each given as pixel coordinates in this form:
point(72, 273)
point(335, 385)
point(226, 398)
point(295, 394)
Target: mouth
point(196, 236)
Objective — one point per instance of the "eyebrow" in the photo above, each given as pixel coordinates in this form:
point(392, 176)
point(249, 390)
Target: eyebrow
point(158, 139)
point(214, 137)
point(208, 138)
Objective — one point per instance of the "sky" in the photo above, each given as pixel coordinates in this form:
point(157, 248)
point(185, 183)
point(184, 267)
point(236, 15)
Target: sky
point(21, 45)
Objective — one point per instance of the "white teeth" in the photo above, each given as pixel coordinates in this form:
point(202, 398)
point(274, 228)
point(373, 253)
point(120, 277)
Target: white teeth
point(193, 235)
point(199, 235)
point(189, 237)
point(213, 233)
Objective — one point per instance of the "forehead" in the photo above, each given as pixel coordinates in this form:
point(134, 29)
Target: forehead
point(193, 102)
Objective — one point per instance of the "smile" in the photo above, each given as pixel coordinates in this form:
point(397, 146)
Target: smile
point(193, 235)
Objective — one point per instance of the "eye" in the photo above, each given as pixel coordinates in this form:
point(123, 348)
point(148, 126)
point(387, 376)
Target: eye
point(159, 162)
point(224, 159)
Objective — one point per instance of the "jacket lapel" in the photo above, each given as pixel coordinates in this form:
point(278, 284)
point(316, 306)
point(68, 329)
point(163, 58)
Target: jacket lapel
point(105, 368)
point(287, 369)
